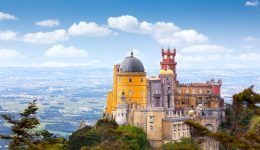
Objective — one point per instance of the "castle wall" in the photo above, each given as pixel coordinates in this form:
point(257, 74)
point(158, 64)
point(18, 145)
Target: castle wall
point(135, 87)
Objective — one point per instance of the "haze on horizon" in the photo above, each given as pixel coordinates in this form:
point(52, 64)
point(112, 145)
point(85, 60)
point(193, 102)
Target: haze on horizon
point(206, 34)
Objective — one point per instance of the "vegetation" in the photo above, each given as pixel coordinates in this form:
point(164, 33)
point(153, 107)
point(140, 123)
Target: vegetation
point(184, 144)
point(241, 127)
point(239, 131)
point(24, 134)
point(104, 135)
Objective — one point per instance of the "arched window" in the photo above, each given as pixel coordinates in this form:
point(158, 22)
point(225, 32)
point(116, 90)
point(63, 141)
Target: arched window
point(130, 93)
point(130, 80)
point(142, 79)
point(168, 100)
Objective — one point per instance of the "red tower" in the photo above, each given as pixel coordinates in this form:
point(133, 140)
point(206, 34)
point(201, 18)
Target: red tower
point(168, 61)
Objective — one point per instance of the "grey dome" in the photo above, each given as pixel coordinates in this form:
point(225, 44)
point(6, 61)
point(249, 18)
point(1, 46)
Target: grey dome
point(131, 64)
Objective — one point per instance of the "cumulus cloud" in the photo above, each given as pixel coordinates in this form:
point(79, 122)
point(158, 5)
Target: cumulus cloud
point(61, 51)
point(250, 39)
point(166, 33)
point(205, 49)
point(6, 16)
point(48, 23)
point(125, 23)
point(8, 35)
point(247, 46)
point(10, 53)
point(46, 37)
point(251, 3)
point(51, 64)
point(243, 60)
point(88, 29)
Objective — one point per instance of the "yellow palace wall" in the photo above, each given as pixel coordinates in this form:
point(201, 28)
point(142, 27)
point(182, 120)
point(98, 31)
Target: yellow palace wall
point(134, 84)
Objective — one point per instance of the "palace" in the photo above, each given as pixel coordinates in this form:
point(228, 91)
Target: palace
point(161, 104)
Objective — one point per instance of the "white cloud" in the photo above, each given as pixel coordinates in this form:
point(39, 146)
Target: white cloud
point(54, 64)
point(10, 53)
point(61, 51)
point(46, 37)
point(125, 23)
point(166, 33)
point(88, 29)
point(8, 35)
point(247, 46)
point(206, 48)
point(251, 3)
point(48, 23)
point(181, 38)
point(250, 39)
point(244, 60)
point(5, 16)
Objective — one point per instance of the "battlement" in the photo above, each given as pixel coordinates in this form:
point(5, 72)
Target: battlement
point(168, 52)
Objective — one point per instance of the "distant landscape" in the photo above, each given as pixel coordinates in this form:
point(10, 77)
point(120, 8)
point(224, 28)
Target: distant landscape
point(68, 95)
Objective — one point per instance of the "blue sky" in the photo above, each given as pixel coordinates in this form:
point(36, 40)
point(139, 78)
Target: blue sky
point(206, 33)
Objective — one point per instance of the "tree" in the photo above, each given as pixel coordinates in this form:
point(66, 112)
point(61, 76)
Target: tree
point(184, 144)
point(133, 136)
point(107, 135)
point(24, 134)
point(83, 137)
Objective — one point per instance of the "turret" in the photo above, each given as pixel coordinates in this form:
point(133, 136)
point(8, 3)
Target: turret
point(168, 61)
point(121, 111)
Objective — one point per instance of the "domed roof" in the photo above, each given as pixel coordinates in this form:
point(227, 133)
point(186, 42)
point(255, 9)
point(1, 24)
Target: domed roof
point(169, 71)
point(131, 64)
point(166, 71)
point(162, 72)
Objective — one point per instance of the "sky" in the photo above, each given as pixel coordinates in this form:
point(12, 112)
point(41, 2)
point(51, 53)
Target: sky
point(207, 34)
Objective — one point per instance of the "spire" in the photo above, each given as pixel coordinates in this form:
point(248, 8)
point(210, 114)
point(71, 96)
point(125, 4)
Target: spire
point(132, 54)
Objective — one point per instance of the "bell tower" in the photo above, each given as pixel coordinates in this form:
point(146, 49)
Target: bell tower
point(168, 61)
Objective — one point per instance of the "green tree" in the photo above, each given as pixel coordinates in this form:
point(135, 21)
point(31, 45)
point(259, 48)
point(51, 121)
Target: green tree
point(183, 144)
point(24, 131)
point(83, 137)
point(133, 136)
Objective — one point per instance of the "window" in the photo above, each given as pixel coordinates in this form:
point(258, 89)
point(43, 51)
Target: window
point(174, 128)
point(151, 127)
point(130, 93)
point(171, 56)
point(151, 119)
point(142, 79)
point(130, 80)
point(157, 102)
point(168, 100)
point(165, 56)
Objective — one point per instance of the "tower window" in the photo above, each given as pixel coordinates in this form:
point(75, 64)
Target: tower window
point(130, 79)
point(130, 93)
point(142, 79)
point(168, 100)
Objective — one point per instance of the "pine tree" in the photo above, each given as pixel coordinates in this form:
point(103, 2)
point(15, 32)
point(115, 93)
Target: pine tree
point(23, 131)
